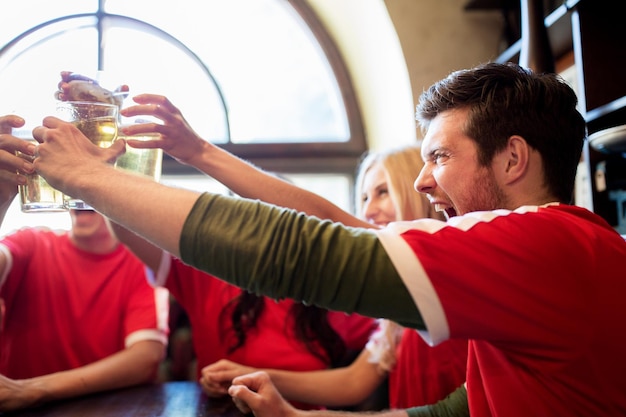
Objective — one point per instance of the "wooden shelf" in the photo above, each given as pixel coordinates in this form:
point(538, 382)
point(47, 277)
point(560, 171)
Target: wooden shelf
point(559, 26)
point(593, 32)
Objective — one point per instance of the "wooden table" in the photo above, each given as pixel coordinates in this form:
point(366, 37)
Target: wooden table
point(171, 399)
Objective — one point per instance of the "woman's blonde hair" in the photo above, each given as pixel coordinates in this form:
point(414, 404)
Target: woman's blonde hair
point(401, 167)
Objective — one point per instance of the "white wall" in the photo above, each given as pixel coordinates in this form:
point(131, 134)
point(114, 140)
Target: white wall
point(395, 49)
point(365, 35)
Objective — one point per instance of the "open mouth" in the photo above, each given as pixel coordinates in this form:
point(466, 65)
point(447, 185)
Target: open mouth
point(447, 210)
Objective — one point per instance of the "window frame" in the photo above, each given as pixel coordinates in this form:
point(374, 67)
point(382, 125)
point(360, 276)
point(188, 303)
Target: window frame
point(307, 157)
point(296, 157)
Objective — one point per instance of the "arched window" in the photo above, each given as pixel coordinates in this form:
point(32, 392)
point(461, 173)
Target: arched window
point(261, 78)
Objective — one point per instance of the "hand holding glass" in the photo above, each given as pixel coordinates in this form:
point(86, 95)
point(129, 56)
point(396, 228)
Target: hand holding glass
point(37, 195)
point(97, 121)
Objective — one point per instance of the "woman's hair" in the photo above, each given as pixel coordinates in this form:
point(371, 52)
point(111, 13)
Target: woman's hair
point(401, 167)
point(310, 326)
point(505, 100)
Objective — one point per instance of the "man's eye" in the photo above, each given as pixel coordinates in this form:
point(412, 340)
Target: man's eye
point(438, 157)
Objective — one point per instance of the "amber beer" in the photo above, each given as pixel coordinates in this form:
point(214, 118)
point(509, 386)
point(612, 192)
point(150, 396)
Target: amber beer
point(146, 162)
point(97, 121)
point(102, 131)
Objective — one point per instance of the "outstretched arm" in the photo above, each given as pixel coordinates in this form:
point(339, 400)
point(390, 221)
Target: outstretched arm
point(75, 166)
point(286, 253)
point(215, 233)
point(180, 141)
point(148, 253)
point(134, 365)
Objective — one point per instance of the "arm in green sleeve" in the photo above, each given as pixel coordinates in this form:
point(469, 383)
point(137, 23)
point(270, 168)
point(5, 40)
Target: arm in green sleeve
point(454, 405)
point(281, 253)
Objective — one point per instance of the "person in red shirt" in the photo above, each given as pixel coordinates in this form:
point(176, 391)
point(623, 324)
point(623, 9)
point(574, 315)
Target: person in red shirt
point(228, 323)
point(533, 282)
point(78, 316)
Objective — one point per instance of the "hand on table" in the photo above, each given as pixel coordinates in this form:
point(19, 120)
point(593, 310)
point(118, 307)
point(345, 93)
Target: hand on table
point(217, 378)
point(255, 392)
point(16, 394)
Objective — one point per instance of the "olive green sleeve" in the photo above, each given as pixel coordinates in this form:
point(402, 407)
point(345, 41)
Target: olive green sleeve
point(454, 405)
point(285, 254)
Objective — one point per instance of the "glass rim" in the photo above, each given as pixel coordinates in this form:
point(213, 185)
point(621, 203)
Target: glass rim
point(89, 103)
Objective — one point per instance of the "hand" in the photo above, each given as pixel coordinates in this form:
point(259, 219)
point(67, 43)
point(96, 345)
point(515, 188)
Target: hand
point(66, 156)
point(12, 167)
point(77, 87)
point(255, 392)
point(217, 377)
point(16, 394)
point(177, 138)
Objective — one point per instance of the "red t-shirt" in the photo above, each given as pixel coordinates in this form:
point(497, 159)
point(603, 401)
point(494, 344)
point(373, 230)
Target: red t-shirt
point(424, 374)
point(540, 294)
point(65, 308)
point(272, 344)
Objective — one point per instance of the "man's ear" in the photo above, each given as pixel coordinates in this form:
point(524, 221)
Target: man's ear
point(516, 158)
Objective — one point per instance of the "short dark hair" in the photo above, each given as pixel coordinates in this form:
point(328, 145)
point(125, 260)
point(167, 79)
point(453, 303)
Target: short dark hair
point(506, 100)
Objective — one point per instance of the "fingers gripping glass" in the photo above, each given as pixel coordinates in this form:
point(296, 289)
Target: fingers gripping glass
point(97, 121)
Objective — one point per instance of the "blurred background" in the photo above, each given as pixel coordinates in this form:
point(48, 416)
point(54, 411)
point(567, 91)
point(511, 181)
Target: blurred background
point(301, 87)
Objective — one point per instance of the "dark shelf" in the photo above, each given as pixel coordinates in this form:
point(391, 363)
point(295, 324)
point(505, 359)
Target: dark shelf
point(491, 4)
point(559, 26)
point(594, 34)
point(549, 5)
point(606, 110)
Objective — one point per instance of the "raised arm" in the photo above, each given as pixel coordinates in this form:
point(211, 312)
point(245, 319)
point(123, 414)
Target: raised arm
point(180, 141)
point(72, 164)
point(148, 253)
point(277, 244)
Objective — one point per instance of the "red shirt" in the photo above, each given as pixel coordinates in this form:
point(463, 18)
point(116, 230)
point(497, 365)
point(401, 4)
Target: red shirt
point(539, 292)
point(66, 308)
point(425, 374)
point(272, 344)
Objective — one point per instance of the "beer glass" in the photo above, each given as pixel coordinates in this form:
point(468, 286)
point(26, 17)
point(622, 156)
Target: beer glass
point(97, 121)
point(147, 162)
